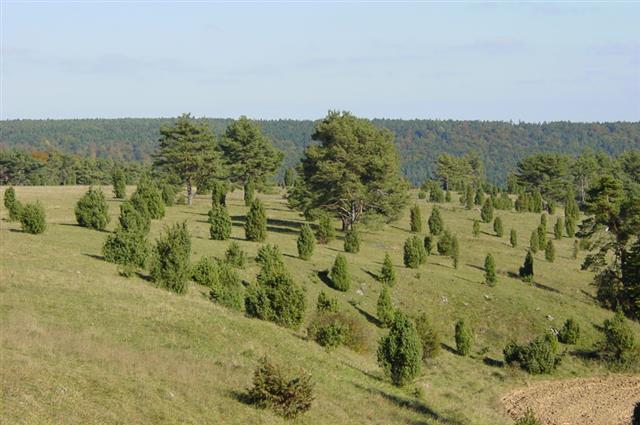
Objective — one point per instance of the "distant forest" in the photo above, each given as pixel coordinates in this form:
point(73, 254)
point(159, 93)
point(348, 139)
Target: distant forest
point(419, 142)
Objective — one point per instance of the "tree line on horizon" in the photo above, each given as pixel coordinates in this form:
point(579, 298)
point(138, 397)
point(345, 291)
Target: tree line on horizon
point(500, 145)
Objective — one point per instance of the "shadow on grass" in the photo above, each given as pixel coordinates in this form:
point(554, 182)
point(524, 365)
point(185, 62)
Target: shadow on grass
point(401, 229)
point(492, 362)
point(588, 295)
point(473, 266)
point(324, 277)
point(372, 274)
point(448, 348)
point(412, 404)
point(364, 372)
point(97, 257)
point(370, 318)
point(241, 396)
point(584, 354)
point(545, 287)
point(145, 277)
point(282, 230)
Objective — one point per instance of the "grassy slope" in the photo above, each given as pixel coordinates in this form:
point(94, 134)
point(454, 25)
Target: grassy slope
point(81, 344)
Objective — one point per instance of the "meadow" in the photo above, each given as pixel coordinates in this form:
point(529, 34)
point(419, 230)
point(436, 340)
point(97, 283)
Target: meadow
point(81, 344)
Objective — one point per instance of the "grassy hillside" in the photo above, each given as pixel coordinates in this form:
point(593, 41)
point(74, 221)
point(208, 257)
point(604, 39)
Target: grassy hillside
point(80, 344)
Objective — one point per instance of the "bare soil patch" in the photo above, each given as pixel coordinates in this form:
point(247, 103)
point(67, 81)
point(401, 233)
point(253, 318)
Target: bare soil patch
point(593, 401)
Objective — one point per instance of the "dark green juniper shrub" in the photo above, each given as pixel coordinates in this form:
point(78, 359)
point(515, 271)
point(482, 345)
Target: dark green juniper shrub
point(534, 242)
point(249, 193)
point(570, 332)
point(490, 277)
point(445, 243)
point(464, 338)
point(133, 220)
point(542, 236)
point(325, 232)
point(536, 357)
point(326, 304)
point(414, 252)
point(339, 274)
point(497, 227)
point(286, 397)
point(385, 308)
point(205, 272)
point(550, 252)
point(387, 273)
point(219, 191)
point(219, 222)
point(255, 226)
point(436, 224)
point(170, 267)
point(619, 345)
point(428, 244)
point(455, 251)
point(169, 193)
point(119, 182)
point(235, 256)
point(12, 204)
point(306, 242)
point(92, 210)
point(147, 197)
point(429, 337)
point(269, 257)
point(570, 226)
point(400, 351)
point(486, 212)
point(352, 240)
point(513, 238)
point(127, 248)
point(276, 297)
point(558, 228)
point(476, 228)
point(526, 271)
point(416, 219)
point(32, 218)
point(228, 291)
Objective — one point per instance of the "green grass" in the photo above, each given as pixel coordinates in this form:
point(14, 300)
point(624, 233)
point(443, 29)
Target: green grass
point(80, 344)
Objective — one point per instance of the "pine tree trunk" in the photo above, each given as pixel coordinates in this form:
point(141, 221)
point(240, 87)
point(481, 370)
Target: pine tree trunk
point(189, 191)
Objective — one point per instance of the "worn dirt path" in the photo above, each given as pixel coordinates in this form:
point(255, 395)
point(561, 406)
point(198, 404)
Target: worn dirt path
point(593, 401)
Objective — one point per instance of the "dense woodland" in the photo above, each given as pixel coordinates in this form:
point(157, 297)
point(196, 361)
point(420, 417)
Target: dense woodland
point(500, 145)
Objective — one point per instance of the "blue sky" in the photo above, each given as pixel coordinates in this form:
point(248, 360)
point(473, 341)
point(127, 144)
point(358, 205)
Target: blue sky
point(493, 61)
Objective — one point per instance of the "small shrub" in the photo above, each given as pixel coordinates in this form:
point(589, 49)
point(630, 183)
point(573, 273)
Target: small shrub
point(205, 272)
point(414, 253)
point(33, 219)
point(400, 352)
point(148, 198)
point(12, 204)
point(326, 304)
point(387, 273)
point(385, 310)
point(219, 222)
point(619, 344)
point(422, 195)
point(339, 274)
point(576, 249)
point(429, 337)
point(542, 237)
point(570, 226)
point(486, 213)
point(416, 219)
point(235, 256)
point(464, 338)
point(536, 357)
point(352, 240)
point(447, 196)
point(570, 332)
point(550, 252)
point(133, 220)
point(325, 232)
point(490, 270)
point(171, 266)
point(445, 243)
point(255, 226)
point(126, 248)
point(169, 194)
point(286, 397)
point(334, 328)
point(476, 228)
point(534, 242)
point(513, 238)
point(428, 244)
point(270, 258)
point(526, 271)
point(249, 193)
point(229, 291)
point(455, 251)
point(497, 227)
point(181, 199)
point(558, 228)
point(276, 297)
point(92, 210)
point(219, 191)
point(529, 418)
point(306, 242)
point(436, 224)
point(119, 181)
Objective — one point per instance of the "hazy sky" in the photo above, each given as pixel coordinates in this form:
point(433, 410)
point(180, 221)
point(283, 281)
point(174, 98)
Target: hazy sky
point(496, 61)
